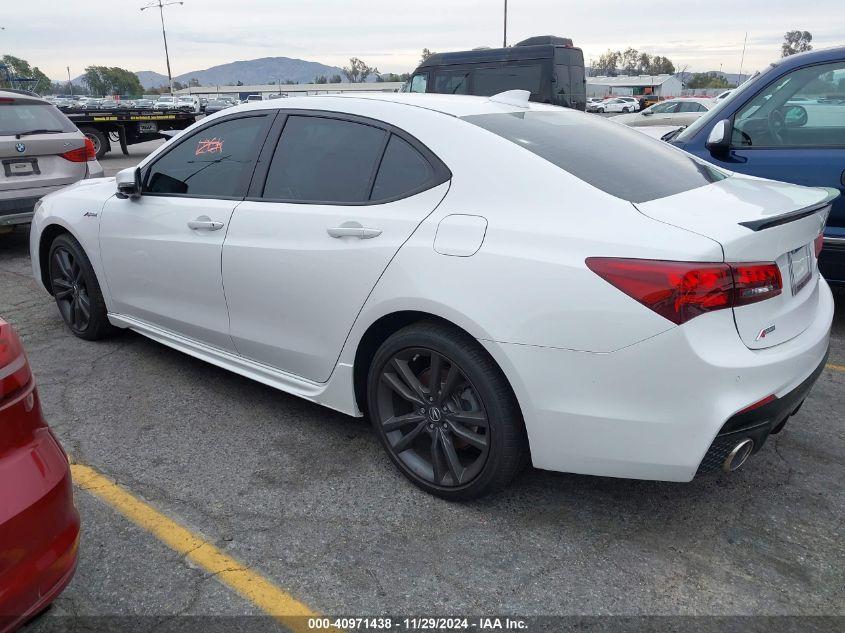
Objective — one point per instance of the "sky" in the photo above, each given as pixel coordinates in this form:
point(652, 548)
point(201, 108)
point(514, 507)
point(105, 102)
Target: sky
point(54, 34)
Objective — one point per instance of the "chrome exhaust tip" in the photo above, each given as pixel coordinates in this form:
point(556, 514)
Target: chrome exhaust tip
point(738, 455)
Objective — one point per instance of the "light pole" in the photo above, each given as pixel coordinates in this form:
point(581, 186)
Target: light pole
point(505, 34)
point(69, 82)
point(161, 5)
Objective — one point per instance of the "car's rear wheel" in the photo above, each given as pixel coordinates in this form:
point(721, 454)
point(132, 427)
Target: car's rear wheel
point(76, 290)
point(445, 412)
point(99, 140)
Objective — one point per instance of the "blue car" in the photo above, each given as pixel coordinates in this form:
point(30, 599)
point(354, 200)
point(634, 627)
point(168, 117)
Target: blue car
point(785, 123)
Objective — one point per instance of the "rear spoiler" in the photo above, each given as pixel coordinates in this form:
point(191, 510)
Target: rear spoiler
point(792, 216)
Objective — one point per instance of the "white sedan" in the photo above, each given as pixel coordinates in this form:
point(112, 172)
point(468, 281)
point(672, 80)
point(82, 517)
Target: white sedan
point(617, 104)
point(674, 112)
point(526, 294)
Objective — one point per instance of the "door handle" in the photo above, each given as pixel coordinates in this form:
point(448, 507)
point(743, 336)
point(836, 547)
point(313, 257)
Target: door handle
point(204, 223)
point(353, 229)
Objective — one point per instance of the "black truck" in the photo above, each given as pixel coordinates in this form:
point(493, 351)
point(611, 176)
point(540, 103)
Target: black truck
point(549, 67)
point(126, 126)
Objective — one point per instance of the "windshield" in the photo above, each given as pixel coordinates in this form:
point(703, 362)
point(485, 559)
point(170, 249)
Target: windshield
point(715, 113)
point(600, 153)
point(27, 117)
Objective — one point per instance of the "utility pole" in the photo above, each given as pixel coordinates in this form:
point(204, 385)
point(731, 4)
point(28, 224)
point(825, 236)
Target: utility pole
point(742, 61)
point(69, 82)
point(161, 5)
point(505, 37)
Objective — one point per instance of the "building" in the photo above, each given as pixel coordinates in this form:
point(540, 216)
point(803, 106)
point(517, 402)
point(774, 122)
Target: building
point(660, 85)
point(272, 91)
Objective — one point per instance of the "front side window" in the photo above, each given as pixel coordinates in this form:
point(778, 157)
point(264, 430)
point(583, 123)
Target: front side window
point(451, 82)
point(326, 160)
point(216, 161)
point(419, 83)
point(668, 107)
point(805, 108)
point(691, 106)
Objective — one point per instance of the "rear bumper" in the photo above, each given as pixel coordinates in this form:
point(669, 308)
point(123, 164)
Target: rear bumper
point(652, 410)
point(39, 526)
point(17, 206)
point(757, 424)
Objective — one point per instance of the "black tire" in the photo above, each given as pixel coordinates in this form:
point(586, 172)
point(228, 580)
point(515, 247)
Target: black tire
point(76, 290)
point(98, 138)
point(477, 414)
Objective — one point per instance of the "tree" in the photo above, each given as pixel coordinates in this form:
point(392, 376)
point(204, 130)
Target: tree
point(335, 79)
point(20, 69)
point(178, 85)
point(796, 42)
point(358, 71)
point(630, 61)
point(394, 77)
point(660, 66)
point(193, 83)
point(105, 80)
point(607, 64)
point(321, 79)
point(425, 55)
point(708, 80)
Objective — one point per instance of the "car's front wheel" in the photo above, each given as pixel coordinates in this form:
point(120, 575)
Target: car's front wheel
point(445, 413)
point(76, 290)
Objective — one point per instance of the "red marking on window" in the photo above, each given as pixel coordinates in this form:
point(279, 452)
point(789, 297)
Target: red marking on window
point(209, 146)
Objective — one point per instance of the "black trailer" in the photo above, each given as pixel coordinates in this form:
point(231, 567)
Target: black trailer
point(126, 127)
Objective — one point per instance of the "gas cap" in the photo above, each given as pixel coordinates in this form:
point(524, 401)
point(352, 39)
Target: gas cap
point(460, 235)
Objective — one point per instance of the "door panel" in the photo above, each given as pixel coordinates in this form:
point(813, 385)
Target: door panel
point(161, 271)
point(293, 290)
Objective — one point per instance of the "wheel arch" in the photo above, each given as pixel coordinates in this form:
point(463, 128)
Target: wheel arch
point(384, 327)
point(48, 235)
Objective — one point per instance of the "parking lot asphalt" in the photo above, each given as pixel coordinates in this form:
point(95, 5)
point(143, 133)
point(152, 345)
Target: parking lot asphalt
point(307, 498)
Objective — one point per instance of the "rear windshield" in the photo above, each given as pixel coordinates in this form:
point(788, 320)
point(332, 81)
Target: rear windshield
point(16, 118)
point(611, 157)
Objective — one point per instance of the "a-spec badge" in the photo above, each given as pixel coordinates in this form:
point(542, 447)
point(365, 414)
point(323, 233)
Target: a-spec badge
point(765, 332)
point(89, 214)
point(20, 147)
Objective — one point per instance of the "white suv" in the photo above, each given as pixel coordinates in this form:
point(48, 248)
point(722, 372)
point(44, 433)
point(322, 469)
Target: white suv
point(40, 151)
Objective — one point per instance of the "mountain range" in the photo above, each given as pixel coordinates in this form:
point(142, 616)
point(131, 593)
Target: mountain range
point(249, 72)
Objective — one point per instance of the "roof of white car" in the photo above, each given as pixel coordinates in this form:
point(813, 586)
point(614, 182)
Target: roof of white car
point(453, 105)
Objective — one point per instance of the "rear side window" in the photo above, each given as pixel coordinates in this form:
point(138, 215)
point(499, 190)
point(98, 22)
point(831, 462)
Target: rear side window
point(324, 160)
point(217, 161)
point(606, 155)
point(403, 170)
point(16, 118)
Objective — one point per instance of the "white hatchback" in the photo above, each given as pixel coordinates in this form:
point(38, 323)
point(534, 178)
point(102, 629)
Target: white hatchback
point(490, 280)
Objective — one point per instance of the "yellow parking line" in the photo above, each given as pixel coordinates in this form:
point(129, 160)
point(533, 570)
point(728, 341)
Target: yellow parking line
point(835, 367)
point(250, 584)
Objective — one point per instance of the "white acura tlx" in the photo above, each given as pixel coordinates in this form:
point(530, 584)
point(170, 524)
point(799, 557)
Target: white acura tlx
point(491, 281)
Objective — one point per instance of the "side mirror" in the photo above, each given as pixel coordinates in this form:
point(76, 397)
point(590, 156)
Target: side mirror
point(128, 182)
point(719, 139)
point(794, 116)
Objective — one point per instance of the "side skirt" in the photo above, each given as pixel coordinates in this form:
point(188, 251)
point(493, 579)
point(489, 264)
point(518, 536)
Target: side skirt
point(337, 393)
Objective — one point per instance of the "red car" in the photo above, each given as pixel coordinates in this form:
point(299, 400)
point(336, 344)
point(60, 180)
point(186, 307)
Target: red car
point(39, 525)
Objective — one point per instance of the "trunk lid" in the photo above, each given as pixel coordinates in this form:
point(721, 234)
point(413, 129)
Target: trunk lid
point(758, 220)
point(39, 164)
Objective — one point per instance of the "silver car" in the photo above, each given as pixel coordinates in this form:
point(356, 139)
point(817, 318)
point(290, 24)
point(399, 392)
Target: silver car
point(40, 151)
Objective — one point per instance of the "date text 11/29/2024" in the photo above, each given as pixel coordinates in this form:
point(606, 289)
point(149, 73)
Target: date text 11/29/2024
point(418, 623)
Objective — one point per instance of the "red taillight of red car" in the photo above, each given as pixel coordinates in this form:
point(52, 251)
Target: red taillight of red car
point(680, 291)
point(14, 368)
point(81, 154)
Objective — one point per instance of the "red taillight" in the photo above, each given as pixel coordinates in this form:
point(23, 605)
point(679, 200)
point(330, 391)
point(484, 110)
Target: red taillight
point(14, 368)
point(818, 243)
point(81, 154)
point(680, 291)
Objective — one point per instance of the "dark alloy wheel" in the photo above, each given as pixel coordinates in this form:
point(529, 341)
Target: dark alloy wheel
point(445, 413)
point(70, 290)
point(433, 417)
point(76, 290)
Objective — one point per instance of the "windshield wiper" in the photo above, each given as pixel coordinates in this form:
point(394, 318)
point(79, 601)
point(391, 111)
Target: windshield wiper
point(29, 132)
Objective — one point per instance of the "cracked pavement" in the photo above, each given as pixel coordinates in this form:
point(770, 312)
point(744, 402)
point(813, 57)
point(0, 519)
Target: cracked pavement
point(306, 497)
